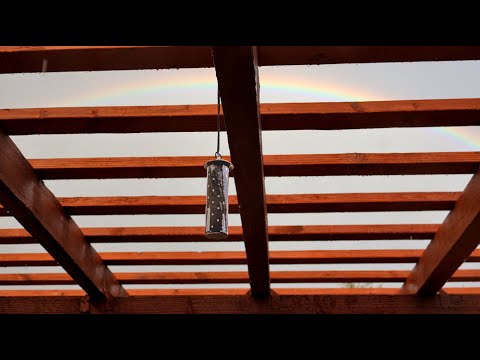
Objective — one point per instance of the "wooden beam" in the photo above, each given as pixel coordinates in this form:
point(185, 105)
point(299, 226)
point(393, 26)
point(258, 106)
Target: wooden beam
point(370, 114)
point(276, 116)
point(25, 196)
point(279, 303)
point(455, 240)
point(360, 202)
point(274, 165)
point(372, 164)
point(301, 203)
point(14, 59)
point(276, 233)
point(236, 277)
point(94, 58)
point(239, 91)
point(318, 55)
point(233, 291)
point(235, 257)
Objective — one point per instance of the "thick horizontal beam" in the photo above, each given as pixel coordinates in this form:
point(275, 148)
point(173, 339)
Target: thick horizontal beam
point(233, 277)
point(235, 257)
point(235, 291)
point(274, 165)
point(318, 55)
point(276, 233)
point(32, 204)
point(279, 303)
point(455, 240)
point(276, 116)
point(302, 203)
point(16, 59)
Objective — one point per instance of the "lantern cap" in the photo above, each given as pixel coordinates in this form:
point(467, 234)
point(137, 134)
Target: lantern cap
point(219, 162)
point(216, 235)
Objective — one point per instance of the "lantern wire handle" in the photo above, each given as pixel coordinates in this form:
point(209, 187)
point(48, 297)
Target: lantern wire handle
point(217, 153)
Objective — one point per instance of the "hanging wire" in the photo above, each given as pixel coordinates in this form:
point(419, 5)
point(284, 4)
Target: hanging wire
point(217, 153)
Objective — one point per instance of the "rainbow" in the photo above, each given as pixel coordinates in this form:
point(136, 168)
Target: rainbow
point(149, 89)
point(155, 88)
point(468, 137)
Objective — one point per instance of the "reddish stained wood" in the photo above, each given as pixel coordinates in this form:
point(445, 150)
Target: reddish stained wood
point(454, 241)
point(371, 114)
point(109, 119)
point(276, 116)
point(40, 304)
point(351, 232)
point(244, 304)
point(274, 165)
point(233, 277)
point(372, 164)
point(281, 291)
point(276, 233)
point(235, 257)
point(126, 167)
point(302, 203)
point(15, 59)
point(354, 202)
point(36, 279)
point(92, 58)
point(317, 55)
point(41, 293)
point(25, 196)
point(229, 292)
point(239, 91)
point(462, 291)
point(294, 304)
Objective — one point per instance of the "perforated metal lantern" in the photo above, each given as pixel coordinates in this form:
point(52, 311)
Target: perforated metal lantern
point(216, 209)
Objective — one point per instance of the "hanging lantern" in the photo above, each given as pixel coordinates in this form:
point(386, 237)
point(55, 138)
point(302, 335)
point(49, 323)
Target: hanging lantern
point(216, 209)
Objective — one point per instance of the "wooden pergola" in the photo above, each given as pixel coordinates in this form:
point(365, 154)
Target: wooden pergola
point(47, 219)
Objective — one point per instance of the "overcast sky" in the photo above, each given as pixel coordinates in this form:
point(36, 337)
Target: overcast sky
point(343, 82)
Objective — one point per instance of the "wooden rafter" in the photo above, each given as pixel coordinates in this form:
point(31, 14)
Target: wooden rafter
point(239, 91)
point(275, 233)
point(291, 203)
point(295, 116)
point(455, 240)
point(15, 59)
point(97, 58)
point(285, 301)
point(274, 165)
point(236, 257)
point(36, 208)
point(232, 277)
point(238, 291)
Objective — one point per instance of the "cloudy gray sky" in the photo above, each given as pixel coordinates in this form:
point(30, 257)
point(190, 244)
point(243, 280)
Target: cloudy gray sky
point(342, 82)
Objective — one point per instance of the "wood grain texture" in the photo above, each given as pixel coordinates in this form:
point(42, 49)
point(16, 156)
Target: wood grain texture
point(306, 304)
point(317, 55)
point(274, 165)
point(276, 233)
point(275, 116)
point(239, 92)
point(234, 291)
point(301, 203)
point(236, 277)
point(278, 303)
point(454, 241)
point(15, 59)
point(26, 197)
point(235, 257)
